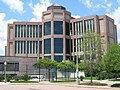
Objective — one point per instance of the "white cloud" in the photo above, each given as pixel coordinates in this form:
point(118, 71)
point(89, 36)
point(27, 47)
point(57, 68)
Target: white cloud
point(76, 16)
point(88, 3)
point(116, 16)
point(3, 32)
point(15, 5)
point(39, 8)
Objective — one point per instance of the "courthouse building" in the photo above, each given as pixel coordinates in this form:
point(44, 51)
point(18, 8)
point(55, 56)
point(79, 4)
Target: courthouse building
point(55, 37)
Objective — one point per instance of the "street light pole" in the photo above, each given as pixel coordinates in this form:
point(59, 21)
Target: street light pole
point(77, 79)
point(5, 63)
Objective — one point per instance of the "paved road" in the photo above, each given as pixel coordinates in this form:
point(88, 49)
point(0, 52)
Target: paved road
point(48, 87)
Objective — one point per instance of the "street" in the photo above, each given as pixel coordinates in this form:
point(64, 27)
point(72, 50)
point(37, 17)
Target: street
point(48, 87)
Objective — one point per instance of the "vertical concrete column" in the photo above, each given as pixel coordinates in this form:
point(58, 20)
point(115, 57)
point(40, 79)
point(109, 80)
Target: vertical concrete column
point(73, 41)
point(96, 24)
point(52, 35)
point(8, 43)
point(26, 41)
point(13, 40)
point(38, 48)
point(106, 32)
point(64, 38)
point(42, 37)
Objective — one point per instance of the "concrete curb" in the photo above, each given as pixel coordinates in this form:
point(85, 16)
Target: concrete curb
point(61, 84)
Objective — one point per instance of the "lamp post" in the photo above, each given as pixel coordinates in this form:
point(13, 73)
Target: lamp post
point(77, 79)
point(5, 63)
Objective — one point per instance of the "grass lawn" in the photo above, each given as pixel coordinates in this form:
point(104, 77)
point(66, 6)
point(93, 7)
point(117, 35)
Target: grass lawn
point(88, 78)
point(116, 80)
point(94, 84)
point(24, 81)
point(63, 81)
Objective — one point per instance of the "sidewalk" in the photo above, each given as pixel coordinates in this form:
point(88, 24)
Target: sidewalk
point(69, 84)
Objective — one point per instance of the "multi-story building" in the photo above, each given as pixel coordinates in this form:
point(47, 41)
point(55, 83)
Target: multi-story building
point(55, 36)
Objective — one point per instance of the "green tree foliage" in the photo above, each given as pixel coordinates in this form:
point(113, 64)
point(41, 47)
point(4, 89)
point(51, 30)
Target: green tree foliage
point(68, 66)
point(46, 63)
point(26, 77)
point(110, 63)
point(92, 48)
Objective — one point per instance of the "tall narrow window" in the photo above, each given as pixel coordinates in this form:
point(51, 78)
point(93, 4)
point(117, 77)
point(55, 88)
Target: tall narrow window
point(30, 47)
point(40, 30)
point(58, 45)
point(30, 30)
point(47, 46)
point(67, 28)
point(21, 30)
point(47, 28)
point(24, 47)
point(24, 30)
point(36, 47)
point(40, 47)
point(58, 27)
point(15, 30)
point(18, 30)
point(36, 31)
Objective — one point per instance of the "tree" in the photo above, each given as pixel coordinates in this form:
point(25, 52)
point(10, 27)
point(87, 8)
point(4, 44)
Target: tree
point(110, 63)
point(92, 48)
point(66, 67)
point(46, 63)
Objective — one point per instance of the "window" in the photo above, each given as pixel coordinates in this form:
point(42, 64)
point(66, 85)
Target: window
point(33, 47)
point(40, 47)
point(36, 47)
point(89, 25)
point(36, 31)
point(30, 47)
point(67, 46)
point(47, 28)
point(11, 66)
point(67, 28)
point(18, 30)
point(21, 46)
point(47, 46)
point(1, 66)
point(15, 30)
point(24, 47)
point(15, 47)
point(18, 47)
point(58, 45)
point(71, 43)
point(40, 30)
point(24, 30)
point(30, 30)
point(58, 27)
point(58, 58)
point(21, 30)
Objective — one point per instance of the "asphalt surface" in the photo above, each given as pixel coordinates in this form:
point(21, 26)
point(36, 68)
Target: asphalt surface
point(48, 87)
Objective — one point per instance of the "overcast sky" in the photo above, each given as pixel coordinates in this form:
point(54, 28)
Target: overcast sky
point(31, 10)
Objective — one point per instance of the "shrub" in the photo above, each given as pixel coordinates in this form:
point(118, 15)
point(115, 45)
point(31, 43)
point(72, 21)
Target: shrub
point(81, 78)
point(8, 77)
point(94, 84)
point(116, 85)
point(26, 77)
point(17, 78)
point(1, 77)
